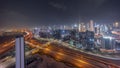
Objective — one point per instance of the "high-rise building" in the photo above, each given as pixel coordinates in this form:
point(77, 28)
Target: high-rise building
point(88, 26)
point(91, 25)
point(97, 29)
point(82, 27)
point(79, 28)
point(117, 46)
point(108, 43)
point(116, 24)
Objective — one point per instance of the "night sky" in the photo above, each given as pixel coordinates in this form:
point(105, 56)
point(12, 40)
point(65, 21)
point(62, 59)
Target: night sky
point(57, 12)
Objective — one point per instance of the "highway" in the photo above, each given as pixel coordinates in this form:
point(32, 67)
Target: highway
point(8, 61)
point(64, 54)
point(5, 47)
point(76, 58)
point(9, 45)
point(98, 58)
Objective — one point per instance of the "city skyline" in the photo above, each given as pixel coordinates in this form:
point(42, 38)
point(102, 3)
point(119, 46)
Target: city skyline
point(59, 34)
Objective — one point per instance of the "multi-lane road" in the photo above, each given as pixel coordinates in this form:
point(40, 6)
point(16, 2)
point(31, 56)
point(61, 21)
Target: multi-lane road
point(9, 61)
point(10, 44)
point(76, 58)
point(67, 55)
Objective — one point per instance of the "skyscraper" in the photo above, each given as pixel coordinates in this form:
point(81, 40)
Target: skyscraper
point(82, 27)
point(91, 25)
point(79, 28)
point(108, 43)
point(116, 24)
